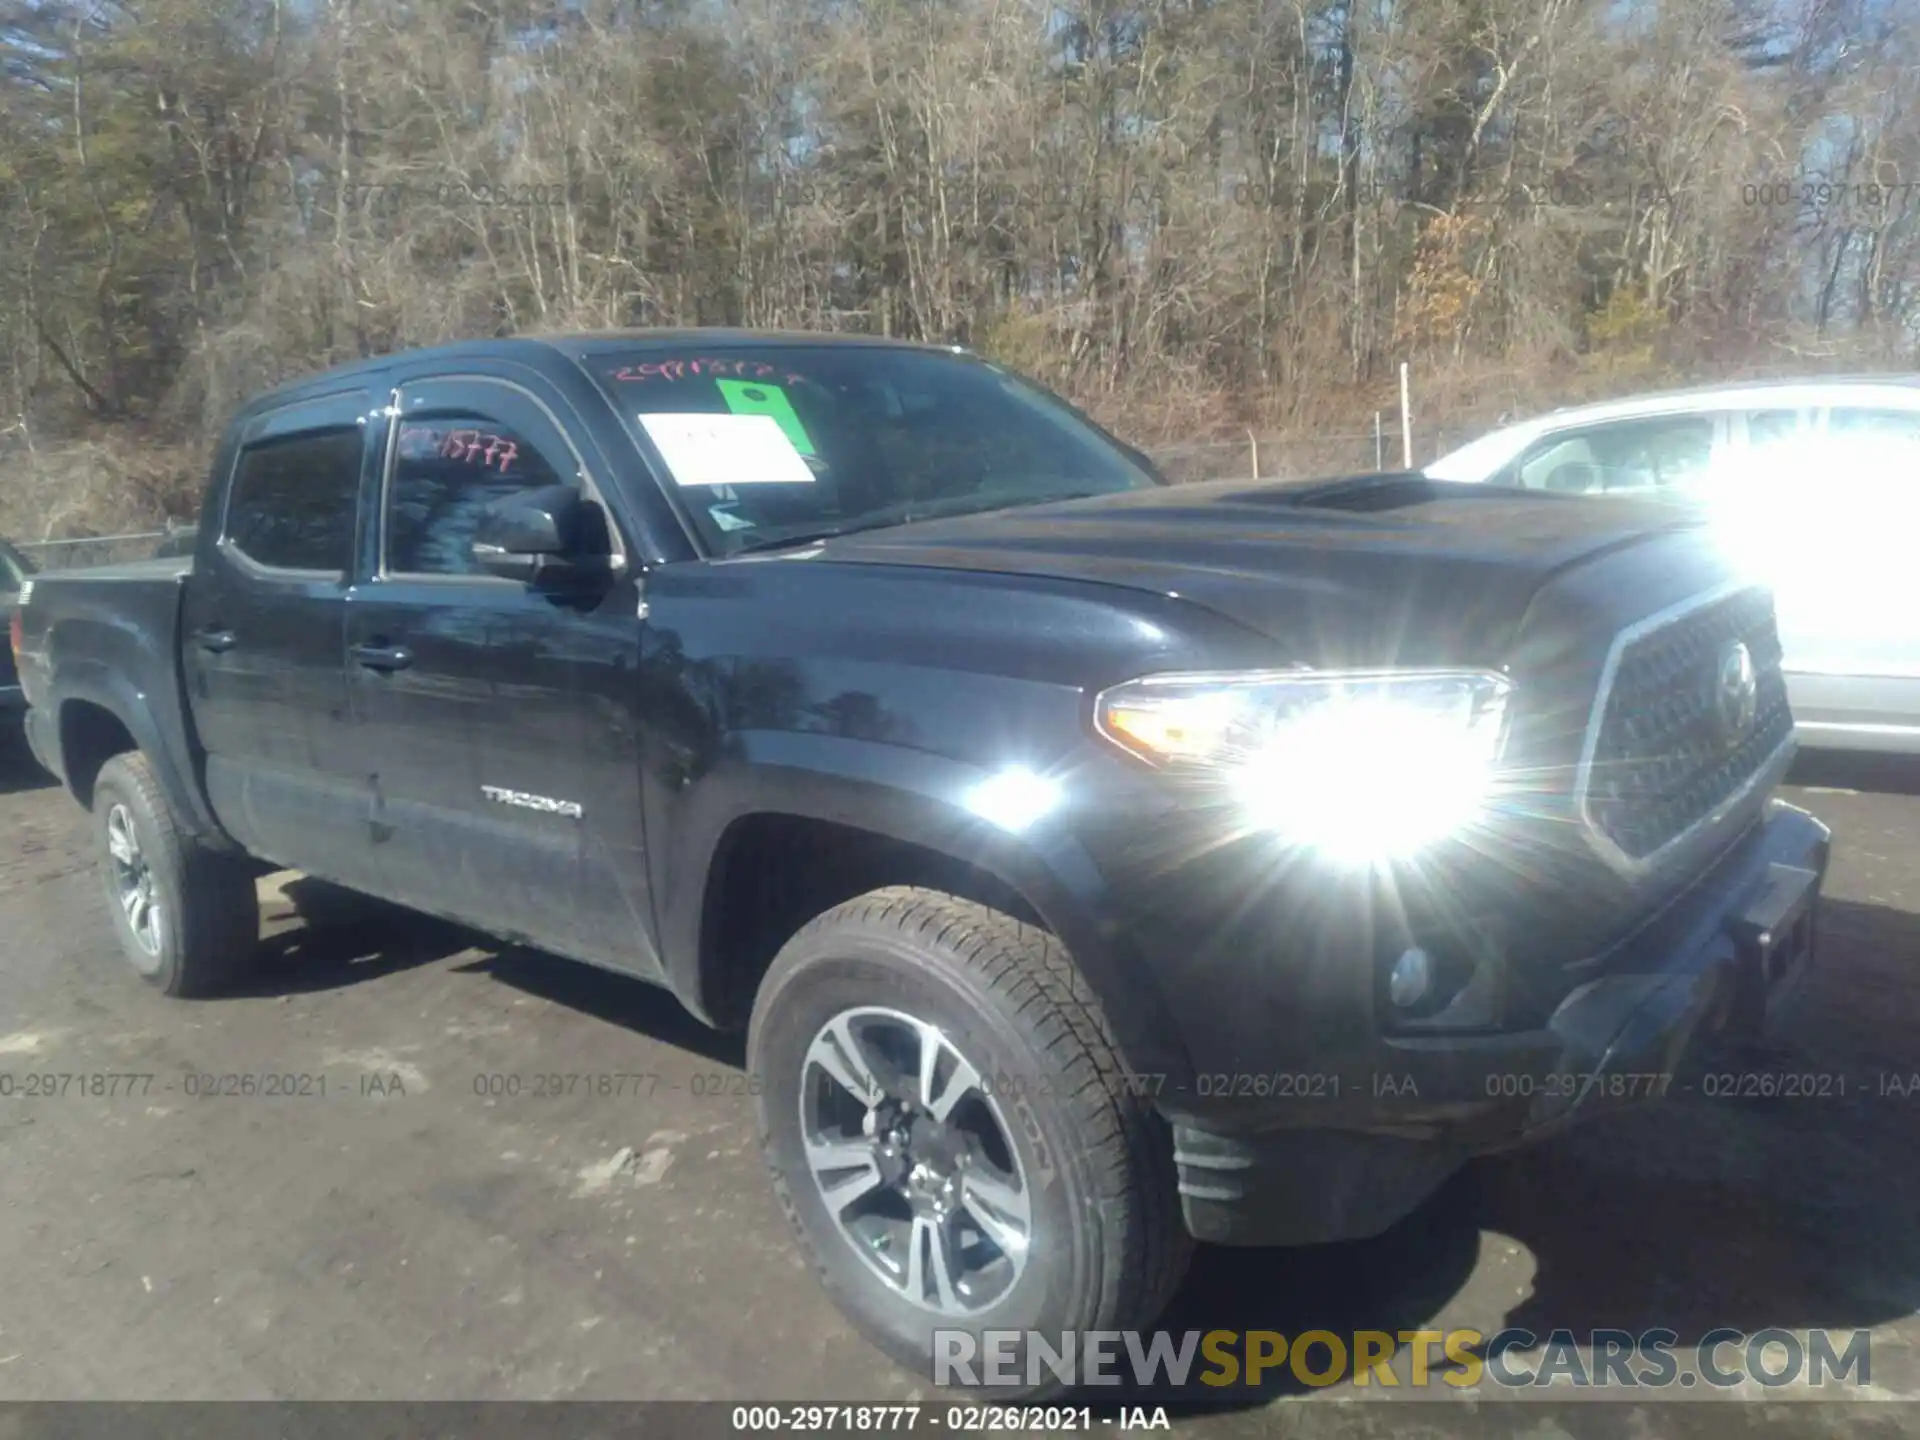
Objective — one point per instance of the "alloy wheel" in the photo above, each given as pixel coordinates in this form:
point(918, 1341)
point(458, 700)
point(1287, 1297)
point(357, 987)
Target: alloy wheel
point(134, 887)
point(914, 1160)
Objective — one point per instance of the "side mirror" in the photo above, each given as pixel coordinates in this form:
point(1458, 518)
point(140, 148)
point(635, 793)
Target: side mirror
point(535, 537)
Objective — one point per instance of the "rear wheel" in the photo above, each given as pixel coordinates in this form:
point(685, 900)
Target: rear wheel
point(187, 917)
point(950, 1130)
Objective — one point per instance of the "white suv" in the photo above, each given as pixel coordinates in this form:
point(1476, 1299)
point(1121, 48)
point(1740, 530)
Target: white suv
point(1815, 485)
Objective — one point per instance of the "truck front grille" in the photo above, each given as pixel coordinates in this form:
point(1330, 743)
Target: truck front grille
point(1662, 761)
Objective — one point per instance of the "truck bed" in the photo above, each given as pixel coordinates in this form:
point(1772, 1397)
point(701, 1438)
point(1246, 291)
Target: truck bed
point(115, 606)
point(169, 567)
point(108, 636)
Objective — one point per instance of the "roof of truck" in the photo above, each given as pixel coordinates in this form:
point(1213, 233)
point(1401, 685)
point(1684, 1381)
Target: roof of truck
point(588, 341)
point(576, 346)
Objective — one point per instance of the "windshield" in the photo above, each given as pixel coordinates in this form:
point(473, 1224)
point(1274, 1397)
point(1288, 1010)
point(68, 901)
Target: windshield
point(775, 445)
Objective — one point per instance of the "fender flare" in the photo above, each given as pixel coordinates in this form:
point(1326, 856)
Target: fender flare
point(97, 685)
point(923, 800)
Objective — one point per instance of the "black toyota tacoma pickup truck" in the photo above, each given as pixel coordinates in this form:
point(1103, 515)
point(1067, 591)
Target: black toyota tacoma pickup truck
point(1094, 864)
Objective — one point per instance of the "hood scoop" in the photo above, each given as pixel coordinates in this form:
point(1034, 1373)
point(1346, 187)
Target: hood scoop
point(1388, 490)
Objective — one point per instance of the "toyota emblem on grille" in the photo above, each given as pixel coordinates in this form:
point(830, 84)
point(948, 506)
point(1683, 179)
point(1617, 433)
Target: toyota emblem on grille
point(1736, 694)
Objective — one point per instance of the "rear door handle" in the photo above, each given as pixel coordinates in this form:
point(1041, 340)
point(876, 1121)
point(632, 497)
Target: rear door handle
point(216, 640)
point(383, 657)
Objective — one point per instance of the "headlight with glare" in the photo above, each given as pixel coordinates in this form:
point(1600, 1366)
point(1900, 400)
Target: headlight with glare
point(1359, 764)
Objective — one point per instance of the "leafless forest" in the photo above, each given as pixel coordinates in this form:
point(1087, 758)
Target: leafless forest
point(1198, 217)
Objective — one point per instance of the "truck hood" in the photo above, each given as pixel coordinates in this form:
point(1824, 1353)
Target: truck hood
point(1375, 570)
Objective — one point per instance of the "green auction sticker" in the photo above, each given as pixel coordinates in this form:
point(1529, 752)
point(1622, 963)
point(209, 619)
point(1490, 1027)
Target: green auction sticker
point(750, 397)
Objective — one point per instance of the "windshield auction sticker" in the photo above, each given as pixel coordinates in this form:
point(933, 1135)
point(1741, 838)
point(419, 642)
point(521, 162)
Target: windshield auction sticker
point(748, 399)
point(711, 449)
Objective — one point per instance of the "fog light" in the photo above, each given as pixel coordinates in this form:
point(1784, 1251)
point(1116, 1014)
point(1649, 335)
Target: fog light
point(1412, 977)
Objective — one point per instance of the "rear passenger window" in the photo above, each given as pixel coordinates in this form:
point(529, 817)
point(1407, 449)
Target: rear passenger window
point(450, 468)
point(1569, 467)
point(1902, 426)
point(293, 499)
point(1659, 454)
point(1867, 461)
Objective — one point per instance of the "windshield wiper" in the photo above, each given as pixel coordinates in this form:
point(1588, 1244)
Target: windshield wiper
point(798, 537)
point(958, 507)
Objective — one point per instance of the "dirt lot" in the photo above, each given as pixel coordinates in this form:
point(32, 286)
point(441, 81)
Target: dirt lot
point(407, 1235)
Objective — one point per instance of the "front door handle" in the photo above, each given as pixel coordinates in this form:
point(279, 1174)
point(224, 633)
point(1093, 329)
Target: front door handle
point(217, 640)
point(383, 657)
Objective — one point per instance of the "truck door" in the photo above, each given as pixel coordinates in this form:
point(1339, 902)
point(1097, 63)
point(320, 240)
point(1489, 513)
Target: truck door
point(263, 622)
point(496, 722)
point(1844, 585)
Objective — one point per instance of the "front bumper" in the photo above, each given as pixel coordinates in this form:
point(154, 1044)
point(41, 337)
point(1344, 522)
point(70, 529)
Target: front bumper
point(1348, 1154)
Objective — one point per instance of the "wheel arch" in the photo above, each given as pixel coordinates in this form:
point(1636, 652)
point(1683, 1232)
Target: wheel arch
point(777, 839)
point(99, 715)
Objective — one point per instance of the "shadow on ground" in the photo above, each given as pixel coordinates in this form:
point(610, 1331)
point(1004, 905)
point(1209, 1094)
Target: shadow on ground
point(1711, 1209)
point(341, 938)
point(344, 938)
point(19, 771)
point(631, 1004)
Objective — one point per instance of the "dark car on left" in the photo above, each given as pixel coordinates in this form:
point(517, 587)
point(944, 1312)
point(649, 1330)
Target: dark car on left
point(15, 569)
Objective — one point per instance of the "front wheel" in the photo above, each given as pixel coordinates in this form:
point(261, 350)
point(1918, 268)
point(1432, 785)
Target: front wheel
point(950, 1130)
point(188, 918)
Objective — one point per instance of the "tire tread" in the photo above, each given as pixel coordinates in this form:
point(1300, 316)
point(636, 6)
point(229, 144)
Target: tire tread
point(218, 917)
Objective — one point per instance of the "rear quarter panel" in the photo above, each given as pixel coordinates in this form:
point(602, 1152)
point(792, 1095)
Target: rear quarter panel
point(110, 638)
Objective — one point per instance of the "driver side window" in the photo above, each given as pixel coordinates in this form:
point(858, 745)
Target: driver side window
point(447, 469)
point(460, 447)
point(1566, 465)
point(1666, 453)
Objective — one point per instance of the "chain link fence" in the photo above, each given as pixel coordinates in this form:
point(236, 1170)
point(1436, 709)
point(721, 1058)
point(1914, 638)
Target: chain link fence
point(1299, 457)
